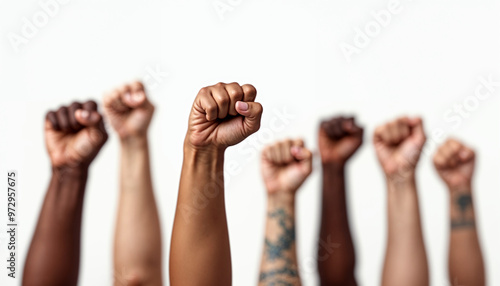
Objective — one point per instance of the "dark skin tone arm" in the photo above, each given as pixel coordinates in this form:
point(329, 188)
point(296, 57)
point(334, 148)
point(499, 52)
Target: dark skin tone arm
point(455, 164)
point(339, 138)
point(74, 135)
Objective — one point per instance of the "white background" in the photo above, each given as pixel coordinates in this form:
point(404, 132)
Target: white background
point(428, 58)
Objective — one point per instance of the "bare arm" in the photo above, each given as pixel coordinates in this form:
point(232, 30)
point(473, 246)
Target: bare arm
point(54, 255)
point(74, 135)
point(339, 138)
point(398, 145)
point(405, 258)
point(200, 251)
point(285, 166)
point(466, 265)
point(137, 245)
point(455, 164)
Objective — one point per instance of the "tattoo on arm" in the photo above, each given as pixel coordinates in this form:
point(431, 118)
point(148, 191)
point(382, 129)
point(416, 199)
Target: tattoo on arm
point(463, 203)
point(279, 252)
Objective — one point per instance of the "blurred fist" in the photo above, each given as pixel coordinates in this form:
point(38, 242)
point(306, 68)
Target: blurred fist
point(398, 145)
point(285, 166)
point(129, 110)
point(74, 134)
point(454, 162)
point(339, 138)
point(223, 115)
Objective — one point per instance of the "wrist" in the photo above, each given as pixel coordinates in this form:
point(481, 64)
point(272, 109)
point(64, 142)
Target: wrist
point(204, 155)
point(461, 188)
point(397, 182)
point(333, 166)
point(280, 198)
point(132, 142)
point(66, 172)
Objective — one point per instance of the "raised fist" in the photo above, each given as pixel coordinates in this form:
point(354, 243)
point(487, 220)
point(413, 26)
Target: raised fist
point(74, 135)
point(285, 166)
point(338, 139)
point(398, 145)
point(129, 110)
point(223, 115)
point(455, 164)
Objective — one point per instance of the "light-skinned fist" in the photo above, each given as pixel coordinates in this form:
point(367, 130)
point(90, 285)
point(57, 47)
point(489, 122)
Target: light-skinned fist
point(454, 163)
point(285, 166)
point(339, 138)
point(223, 115)
point(74, 135)
point(128, 110)
point(398, 145)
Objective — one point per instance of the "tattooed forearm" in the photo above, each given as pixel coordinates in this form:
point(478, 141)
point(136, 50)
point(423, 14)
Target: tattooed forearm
point(463, 204)
point(276, 250)
point(279, 256)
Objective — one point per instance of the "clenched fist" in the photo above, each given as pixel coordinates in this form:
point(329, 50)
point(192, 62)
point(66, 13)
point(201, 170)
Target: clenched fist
point(285, 166)
point(398, 145)
point(339, 138)
point(223, 115)
point(129, 110)
point(455, 164)
point(74, 134)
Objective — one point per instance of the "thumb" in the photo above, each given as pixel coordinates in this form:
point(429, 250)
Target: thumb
point(252, 111)
point(94, 135)
point(304, 156)
point(134, 100)
point(417, 127)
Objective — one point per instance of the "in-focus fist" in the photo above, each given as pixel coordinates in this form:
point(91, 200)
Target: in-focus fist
point(454, 162)
point(129, 110)
point(74, 134)
point(398, 145)
point(339, 138)
point(285, 166)
point(223, 115)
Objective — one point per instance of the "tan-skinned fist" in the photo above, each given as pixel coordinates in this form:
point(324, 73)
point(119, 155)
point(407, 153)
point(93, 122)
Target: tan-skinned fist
point(454, 163)
point(223, 115)
point(398, 145)
point(285, 166)
point(74, 135)
point(338, 139)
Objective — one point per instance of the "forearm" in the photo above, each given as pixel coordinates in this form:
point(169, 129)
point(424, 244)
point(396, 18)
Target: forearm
point(466, 264)
point(279, 258)
point(336, 258)
point(54, 254)
point(406, 259)
point(138, 247)
point(200, 228)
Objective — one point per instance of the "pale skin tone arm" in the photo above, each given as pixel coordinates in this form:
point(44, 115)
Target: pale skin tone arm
point(222, 115)
point(398, 145)
point(285, 166)
point(137, 247)
point(73, 135)
point(339, 138)
point(455, 163)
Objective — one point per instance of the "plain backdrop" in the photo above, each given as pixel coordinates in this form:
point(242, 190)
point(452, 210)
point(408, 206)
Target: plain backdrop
point(429, 57)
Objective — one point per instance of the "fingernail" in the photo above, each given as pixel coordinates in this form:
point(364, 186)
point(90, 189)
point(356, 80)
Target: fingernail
point(242, 105)
point(84, 114)
point(138, 96)
point(348, 125)
point(128, 96)
point(295, 149)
